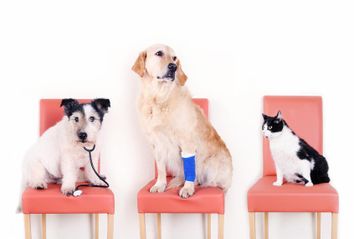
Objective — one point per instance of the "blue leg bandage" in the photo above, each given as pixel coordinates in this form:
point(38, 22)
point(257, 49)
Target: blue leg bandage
point(189, 167)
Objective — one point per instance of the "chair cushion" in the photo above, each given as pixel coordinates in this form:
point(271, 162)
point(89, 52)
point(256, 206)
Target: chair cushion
point(52, 201)
point(205, 200)
point(264, 197)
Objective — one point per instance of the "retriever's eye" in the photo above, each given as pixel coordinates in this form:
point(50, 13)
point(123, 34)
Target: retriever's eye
point(91, 119)
point(76, 119)
point(159, 53)
point(270, 127)
point(174, 58)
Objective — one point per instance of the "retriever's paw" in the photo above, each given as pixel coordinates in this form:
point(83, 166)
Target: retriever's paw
point(277, 184)
point(159, 187)
point(67, 190)
point(309, 184)
point(187, 190)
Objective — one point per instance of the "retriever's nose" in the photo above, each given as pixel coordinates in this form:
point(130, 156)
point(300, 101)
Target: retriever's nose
point(82, 135)
point(172, 67)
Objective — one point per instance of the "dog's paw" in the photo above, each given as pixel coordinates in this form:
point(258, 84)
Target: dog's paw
point(159, 187)
point(39, 186)
point(309, 184)
point(277, 184)
point(187, 190)
point(67, 191)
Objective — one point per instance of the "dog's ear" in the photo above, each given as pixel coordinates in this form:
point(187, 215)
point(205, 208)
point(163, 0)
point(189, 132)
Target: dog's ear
point(139, 65)
point(180, 74)
point(70, 105)
point(279, 116)
point(101, 104)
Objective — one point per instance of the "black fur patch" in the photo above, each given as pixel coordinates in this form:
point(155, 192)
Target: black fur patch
point(71, 106)
point(101, 106)
point(319, 174)
point(301, 179)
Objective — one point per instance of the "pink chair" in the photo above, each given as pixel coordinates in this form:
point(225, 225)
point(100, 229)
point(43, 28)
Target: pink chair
point(52, 201)
point(205, 200)
point(304, 116)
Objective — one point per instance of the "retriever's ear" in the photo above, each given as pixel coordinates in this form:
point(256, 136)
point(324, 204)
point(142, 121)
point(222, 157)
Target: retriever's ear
point(139, 65)
point(180, 74)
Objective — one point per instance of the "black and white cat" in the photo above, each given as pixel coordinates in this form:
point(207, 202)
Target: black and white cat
point(295, 160)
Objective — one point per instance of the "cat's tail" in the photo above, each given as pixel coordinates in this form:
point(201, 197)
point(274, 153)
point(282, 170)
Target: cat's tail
point(320, 179)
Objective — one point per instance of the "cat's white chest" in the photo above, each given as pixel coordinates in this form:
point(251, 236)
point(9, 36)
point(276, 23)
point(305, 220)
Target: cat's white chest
point(284, 152)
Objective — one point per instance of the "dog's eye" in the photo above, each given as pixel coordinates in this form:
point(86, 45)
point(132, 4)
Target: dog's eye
point(270, 127)
point(76, 119)
point(91, 119)
point(174, 58)
point(159, 53)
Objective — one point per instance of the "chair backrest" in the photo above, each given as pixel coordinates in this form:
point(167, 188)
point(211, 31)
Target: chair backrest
point(51, 113)
point(203, 103)
point(303, 115)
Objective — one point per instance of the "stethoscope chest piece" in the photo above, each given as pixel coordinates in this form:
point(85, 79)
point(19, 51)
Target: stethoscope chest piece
point(77, 193)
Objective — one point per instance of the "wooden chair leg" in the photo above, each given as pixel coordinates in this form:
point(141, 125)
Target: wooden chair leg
point(266, 225)
point(110, 226)
point(318, 225)
point(252, 222)
point(209, 226)
point(142, 226)
point(221, 226)
point(27, 218)
point(44, 226)
point(158, 225)
point(334, 225)
point(96, 219)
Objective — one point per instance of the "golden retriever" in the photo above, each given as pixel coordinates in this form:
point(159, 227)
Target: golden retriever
point(174, 125)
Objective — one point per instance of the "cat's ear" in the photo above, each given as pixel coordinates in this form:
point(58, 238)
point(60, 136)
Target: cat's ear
point(265, 117)
point(279, 116)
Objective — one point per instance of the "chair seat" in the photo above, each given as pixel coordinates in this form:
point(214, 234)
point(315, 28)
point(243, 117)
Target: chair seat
point(205, 200)
point(264, 197)
point(52, 201)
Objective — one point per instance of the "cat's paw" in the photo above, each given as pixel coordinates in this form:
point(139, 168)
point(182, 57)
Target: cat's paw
point(309, 184)
point(277, 184)
point(159, 187)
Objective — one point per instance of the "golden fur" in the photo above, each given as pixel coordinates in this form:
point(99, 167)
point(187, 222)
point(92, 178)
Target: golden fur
point(174, 124)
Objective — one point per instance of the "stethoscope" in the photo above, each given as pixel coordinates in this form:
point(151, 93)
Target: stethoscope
point(77, 191)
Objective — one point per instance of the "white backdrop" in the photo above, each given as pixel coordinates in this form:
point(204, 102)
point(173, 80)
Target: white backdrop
point(233, 52)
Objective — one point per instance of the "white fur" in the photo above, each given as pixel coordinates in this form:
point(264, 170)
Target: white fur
point(284, 146)
point(59, 155)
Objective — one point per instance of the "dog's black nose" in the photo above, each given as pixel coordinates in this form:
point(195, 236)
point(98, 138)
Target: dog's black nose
point(82, 135)
point(172, 67)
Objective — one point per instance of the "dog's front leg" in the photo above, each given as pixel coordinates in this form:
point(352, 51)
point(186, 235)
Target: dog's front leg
point(69, 171)
point(161, 182)
point(189, 166)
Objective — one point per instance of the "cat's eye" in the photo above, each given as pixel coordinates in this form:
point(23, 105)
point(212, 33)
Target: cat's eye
point(76, 119)
point(92, 119)
point(159, 53)
point(270, 127)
